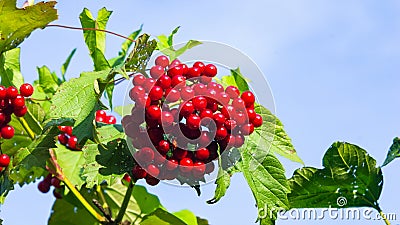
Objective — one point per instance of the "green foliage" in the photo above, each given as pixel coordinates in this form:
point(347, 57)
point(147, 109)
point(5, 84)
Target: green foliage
point(71, 163)
point(96, 40)
point(141, 53)
point(349, 172)
point(10, 70)
point(394, 151)
point(17, 24)
point(165, 45)
point(223, 181)
point(119, 60)
point(66, 64)
point(236, 79)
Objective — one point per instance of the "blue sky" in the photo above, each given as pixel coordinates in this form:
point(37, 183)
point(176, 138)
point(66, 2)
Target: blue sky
point(332, 67)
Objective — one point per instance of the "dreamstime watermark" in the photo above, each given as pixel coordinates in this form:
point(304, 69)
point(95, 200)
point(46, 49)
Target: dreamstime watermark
point(325, 213)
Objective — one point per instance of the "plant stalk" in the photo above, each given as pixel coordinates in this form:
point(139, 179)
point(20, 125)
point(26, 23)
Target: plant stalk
point(125, 203)
point(384, 217)
point(26, 127)
point(88, 207)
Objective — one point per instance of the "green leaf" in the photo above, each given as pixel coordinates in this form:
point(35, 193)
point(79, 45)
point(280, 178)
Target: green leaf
point(77, 99)
point(66, 64)
point(48, 81)
point(119, 60)
point(6, 185)
point(106, 163)
point(163, 217)
point(190, 44)
point(272, 137)
point(140, 55)
point(186, 216)
point(10, 70)
point(235, 79)
point(223, 181)
point(394, 151)
point(267, 181)
point(71, 163)
point(17, 24)
point(109, 133)
point(96, 40)
point(124, 110)
point(349, 178)
point(171, 36)
point(140, 204)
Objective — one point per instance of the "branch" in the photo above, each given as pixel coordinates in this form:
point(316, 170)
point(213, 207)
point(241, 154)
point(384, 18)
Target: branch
point(87, 28)
point(26, 127)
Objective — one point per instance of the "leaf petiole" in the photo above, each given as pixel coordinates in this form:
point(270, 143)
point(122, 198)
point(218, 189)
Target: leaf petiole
point(125, 202)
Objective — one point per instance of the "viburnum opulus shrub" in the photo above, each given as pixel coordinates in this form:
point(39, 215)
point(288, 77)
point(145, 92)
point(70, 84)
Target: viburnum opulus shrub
point(184, 122)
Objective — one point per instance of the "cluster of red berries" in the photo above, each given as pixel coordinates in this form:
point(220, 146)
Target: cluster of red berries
point(45, 185)
point(181, 118)
point(12, 102)
point(4, 161)
point(71, 141)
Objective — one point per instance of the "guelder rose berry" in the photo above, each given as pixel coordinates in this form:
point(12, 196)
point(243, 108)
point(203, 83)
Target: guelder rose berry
point(182, 120)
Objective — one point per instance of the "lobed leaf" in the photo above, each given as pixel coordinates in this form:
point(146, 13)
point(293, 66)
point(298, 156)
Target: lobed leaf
point(141, 53)
point(18, 24)
point(349, 178)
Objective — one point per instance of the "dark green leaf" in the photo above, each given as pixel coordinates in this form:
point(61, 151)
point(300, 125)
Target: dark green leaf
point(66, 64)
point(96, 40)
point(6, 185)
point(106, 163)
point(162, 217)
point(171, 36)
point(10, 70)
point(65, 213)
point(139, 57)
point(223, 181)
point(266, 178)
point(21, 22)
point(349, 178)
point(394, 151)
point(118, 61)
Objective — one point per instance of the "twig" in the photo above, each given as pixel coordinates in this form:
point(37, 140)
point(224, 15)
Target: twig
point(125, 203)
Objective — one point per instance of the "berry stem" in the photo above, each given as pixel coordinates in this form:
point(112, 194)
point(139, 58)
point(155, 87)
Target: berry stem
point(88, 207)
point(103, 199)
point(382, 214)
point(125, 203)
point(88, 28)
point(26, 127)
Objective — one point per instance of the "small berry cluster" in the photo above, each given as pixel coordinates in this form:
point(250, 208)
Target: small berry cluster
point(4, 161)
point(181, 118)
point(12, 102)
point(71, 141)
point(45, 185)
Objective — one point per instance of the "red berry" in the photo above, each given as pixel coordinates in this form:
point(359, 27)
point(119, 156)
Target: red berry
point(248, 98)
point(154, 112)
point(239, 141)
point(251, 114)
point(199, 103)
point(230, 124)
point(127, 178)
point(200, 89)
point(12, 92)
point(240, 118)
point(152, 181)
point(156, 93)
point(4, 160)
point(193, 72)
point(219, 119)
point(73, 142)
point(26, 90)
point(238, 104)
point(247, 129)
point(100, 113)
point(18, 101)
point(199, 65)
point(3, 92)
point(146, 155)
point(186, 109)
point(7, 132)
point(138, 172)
point(221, 133)
point(44, 187)
point(232, 91)
point(174, 63)
point(172, 95)
point(56, 194)
point(171, 164)
point(66, 129)
point(55, 182)
point(166, 119)
point(210, 70)
point(162, 60)
point(163, 146)
point(21, 111)
point(111, 119)
point(199, 169)
point(175, 71)
point(148, 84)
point(209, 167)
point(223, 98)
point(138, 80)
point(187, 93)
point(152, 170)
point(63, 139)
point(204, 139)
point(193, 121)
point(179, 153)
point(202, 154)
point(164, 82)
point(185, 165)
point(178, 81)
point(156, 71)
point(206, 113)
point(257, 121)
